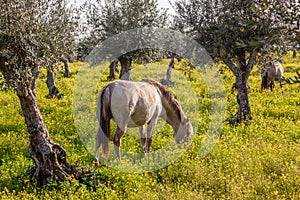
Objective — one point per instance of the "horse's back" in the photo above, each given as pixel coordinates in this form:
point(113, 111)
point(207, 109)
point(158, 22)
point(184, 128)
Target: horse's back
point(278, 70)
point(274, 70)
point(133, 103)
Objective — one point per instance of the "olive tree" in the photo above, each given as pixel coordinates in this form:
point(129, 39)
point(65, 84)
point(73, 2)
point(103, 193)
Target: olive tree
point(35, 34)
point(107, 18)
point(240, 33)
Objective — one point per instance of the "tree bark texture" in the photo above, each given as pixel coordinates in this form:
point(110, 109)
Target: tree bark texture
point(112, 68)
point(242, 76)
point(125, 68)
point(49, 157)
point(171, 66)
point(169, 71)
point(53, 90)
point(244, 111)
point(294, 53)
point(67, 72)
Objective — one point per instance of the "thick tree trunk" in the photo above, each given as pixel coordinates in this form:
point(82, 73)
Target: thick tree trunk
point(125, 68)
point(112, 68)
point(244, 111)
point(53, 90)
point(168, 80)
point(169, 71)
point(67, 72)
point(294, 53)
point(242, 72)
point(49, 157)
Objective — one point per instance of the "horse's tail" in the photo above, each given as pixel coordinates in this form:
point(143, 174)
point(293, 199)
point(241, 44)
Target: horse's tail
point(104, 115)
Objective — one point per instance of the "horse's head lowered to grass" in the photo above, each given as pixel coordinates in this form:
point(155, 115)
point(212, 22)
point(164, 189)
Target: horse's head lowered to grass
point(184, 132)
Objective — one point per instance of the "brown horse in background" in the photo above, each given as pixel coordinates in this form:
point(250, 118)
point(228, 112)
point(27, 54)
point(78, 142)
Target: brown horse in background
point(271, 72)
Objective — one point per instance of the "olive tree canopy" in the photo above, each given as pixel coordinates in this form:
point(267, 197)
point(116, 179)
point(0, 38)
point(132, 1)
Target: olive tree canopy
point(240, 34)
point(108, 18)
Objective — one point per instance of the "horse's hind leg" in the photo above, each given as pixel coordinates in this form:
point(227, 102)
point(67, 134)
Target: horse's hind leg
point(143, 137)
point(98, 143)
point(150, 131)
point(272, 85)
point(117, 141)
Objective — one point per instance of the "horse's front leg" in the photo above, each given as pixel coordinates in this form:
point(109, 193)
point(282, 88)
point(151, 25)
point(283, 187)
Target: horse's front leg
point(143, 137)
point(150, 132)
point(272, 85)
point(117, 141)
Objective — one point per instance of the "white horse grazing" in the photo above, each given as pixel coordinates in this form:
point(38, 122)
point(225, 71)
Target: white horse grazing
point(270, 73)
point(136, 104)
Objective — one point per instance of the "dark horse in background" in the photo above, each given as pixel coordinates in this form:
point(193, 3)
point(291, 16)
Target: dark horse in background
point(271, 72)
point(137, 104)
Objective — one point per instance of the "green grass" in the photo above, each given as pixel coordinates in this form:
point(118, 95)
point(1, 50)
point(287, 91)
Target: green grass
point(259, 160)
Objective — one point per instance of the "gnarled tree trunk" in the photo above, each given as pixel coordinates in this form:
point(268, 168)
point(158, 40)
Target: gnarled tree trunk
point(112, 68)
point(67, 72)
point(125, 67)
point(53, 90)
point(169, 71)
point(294, 52)
point(49, 157)
point(168, 80)
point(242, 76)
point(242, 73)
point(244, 111)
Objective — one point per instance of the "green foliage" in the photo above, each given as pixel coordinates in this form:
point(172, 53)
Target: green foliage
point(259, 160)
point(108, 18)
point(240, 34)
point(33, 34)
point(229, 29)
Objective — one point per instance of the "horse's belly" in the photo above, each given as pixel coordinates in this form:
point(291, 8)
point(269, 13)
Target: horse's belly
point(133, 124)
point(139, 119)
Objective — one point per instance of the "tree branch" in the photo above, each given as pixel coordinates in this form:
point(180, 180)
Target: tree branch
point(252, 60)
point(230, 64)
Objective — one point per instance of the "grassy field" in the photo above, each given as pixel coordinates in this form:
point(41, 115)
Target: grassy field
point(255, 160)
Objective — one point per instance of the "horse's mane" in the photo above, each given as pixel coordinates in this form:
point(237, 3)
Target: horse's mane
point(169, 97)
